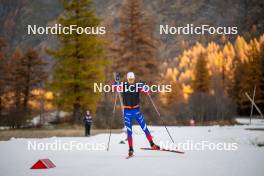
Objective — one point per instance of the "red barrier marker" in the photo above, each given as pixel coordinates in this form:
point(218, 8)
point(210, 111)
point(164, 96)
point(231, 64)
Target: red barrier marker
point(43, 164)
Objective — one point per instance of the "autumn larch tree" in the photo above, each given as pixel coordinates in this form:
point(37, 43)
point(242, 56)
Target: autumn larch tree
point(252, 75)
point(137, 47)
point(33, 74)
point(2, 73)
point(26, 73)
point(15, 87)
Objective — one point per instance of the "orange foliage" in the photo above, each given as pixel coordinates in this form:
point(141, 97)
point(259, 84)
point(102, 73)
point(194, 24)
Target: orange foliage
point(220, 59)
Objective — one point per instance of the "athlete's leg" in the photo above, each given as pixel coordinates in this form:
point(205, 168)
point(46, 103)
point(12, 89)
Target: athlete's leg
point(128, 116)
point(141, 121)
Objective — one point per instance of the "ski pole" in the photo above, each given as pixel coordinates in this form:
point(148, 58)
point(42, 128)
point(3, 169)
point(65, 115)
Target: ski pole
point(110, 132)
point(152, 102)
point(252, 101)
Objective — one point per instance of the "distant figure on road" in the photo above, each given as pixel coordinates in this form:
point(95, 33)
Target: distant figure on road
point(87, 120)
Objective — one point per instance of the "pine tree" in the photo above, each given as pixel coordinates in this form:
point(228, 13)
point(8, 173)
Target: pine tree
point(201, 86)
point(201, 81)
point(137, 46)
point(80, 60)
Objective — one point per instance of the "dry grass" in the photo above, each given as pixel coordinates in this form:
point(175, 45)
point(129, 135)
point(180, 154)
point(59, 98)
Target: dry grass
point(43, 133)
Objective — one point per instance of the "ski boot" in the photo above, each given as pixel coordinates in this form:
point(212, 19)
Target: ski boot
point(130, 152)
point(154, 146)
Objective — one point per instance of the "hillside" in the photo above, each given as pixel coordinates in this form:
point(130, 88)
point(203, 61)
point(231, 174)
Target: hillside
point(15, 15)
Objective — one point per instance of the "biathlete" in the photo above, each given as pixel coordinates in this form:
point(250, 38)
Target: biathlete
point(130, 92)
